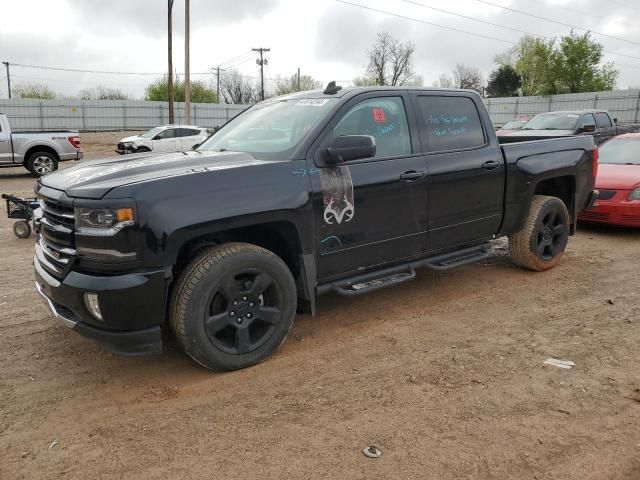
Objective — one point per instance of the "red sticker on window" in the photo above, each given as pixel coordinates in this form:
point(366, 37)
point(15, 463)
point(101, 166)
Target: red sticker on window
point(378, 115)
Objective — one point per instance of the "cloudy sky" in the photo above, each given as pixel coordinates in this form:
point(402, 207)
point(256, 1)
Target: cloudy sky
point(327, 39)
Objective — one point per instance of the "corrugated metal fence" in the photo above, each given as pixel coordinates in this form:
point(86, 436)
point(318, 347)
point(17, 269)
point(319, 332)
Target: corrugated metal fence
point(623, 104)
point(93, 115)
point(26, 114)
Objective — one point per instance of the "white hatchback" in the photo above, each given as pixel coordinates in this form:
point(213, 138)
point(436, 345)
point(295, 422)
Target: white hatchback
point(170, 138)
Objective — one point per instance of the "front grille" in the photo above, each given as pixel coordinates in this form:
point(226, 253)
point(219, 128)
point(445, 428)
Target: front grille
point(58, 214)
point(55, 247)
point(594, 216)
point(606, 194)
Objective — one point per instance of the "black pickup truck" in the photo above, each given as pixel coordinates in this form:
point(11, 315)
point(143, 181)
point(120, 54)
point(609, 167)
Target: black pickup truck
point(594, 123)
point(342, 190)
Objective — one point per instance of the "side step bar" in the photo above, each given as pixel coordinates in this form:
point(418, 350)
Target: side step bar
point(376, 280)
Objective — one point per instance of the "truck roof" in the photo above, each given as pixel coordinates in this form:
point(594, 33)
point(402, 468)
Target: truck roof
point(350, 91)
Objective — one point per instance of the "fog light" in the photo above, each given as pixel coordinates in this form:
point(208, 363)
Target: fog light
point(91, 301)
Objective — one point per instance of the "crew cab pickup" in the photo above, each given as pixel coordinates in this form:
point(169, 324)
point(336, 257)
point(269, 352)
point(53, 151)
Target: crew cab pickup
point(38, 152)
point(595, 123)
point(342, 190)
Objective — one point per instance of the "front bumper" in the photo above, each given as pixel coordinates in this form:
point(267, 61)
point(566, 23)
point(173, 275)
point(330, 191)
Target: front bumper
point(625, 214)
point(132, 307)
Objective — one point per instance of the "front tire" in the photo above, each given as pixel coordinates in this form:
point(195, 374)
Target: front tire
point(233, 306)
point(41, 163)
point(541, 243)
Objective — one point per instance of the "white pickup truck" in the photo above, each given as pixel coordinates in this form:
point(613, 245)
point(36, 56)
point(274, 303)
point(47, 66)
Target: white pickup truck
point(169, 138)
point(38, 152)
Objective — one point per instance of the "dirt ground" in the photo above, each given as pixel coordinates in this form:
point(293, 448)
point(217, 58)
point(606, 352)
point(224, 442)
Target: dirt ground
point(444, 374)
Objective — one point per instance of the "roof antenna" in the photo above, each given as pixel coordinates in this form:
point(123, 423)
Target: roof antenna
point(332, 88)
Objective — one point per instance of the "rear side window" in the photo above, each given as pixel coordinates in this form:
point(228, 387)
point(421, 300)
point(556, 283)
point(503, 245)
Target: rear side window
point(603, 120)
point(450, 123)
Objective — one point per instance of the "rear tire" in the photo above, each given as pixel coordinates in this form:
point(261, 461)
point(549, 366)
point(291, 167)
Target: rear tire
point(233, 306)
point(541, 242)
point(41, 163)
point(22, 229)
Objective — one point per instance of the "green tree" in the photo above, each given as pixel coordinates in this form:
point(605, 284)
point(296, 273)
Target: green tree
point(504, 81)
point(284, 86)
point(572, 65)
point(33, 90)
point(200, 92)
point(102, 93)
point(536, 66)
point(577, 60)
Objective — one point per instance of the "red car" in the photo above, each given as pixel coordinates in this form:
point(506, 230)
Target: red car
point(618, 181)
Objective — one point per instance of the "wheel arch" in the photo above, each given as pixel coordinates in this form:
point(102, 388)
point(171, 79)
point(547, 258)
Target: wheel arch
point(281, 237)
point(564, 188)
point(40, 148)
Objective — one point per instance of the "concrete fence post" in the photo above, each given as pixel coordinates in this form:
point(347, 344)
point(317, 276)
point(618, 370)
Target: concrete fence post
point(124, 115)
point(41, 109)
point(84, 115)
point(637, 108)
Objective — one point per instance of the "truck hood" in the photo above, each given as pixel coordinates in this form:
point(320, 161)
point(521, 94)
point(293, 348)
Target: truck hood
point(94, 179)
point(614, 176)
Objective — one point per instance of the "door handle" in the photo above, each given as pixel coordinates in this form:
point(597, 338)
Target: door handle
point(490, 165)
point(412, 176)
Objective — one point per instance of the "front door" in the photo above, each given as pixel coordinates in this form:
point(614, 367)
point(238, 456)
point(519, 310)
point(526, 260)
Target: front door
point(167, 141)
point(372, 211)
point(466, 168)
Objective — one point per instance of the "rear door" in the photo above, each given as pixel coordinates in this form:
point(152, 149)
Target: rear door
point(372, 211)
point(167, 141)
point(189, 137)
point(604, 127)
point(466, 169)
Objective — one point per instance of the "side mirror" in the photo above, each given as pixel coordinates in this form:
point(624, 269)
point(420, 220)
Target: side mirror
point(350, 147)
point(195, 147)
point(615, 119)
point(589, 128)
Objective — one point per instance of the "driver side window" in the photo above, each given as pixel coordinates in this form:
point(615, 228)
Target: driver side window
point(169, 133)
point(384, 119)
point(587, 119)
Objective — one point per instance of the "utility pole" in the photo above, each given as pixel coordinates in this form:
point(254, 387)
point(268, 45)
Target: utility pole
point(298, 78)
point(6, 64)
point(218, 82)
point(187, 80)
point(170, 54)
point(262, 62)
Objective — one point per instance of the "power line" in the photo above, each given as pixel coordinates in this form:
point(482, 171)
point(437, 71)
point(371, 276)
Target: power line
point(573, 10)
point(470, 33)
point(556, 21)
point(79, 70)
point(624, 4)
point(504, 26)
point(426, 22)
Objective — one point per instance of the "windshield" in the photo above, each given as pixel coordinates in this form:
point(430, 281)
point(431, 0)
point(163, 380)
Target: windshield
point(271, 130)
point(553, 121)
point(513, 125)
point(623, 151)
point(151, 133)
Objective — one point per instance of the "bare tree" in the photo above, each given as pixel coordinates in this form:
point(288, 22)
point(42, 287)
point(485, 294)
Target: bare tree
point(235, 88)
point(444, 81)
point(284, 86)
point(391, 61)
point(102, 93)
point(468, 77)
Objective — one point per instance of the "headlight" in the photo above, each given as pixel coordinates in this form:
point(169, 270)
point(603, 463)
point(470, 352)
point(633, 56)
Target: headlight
point(635, 194)
point(102, 221)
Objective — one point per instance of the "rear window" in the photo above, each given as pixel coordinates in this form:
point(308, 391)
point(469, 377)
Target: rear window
point(450, 123)
point(189, 132)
